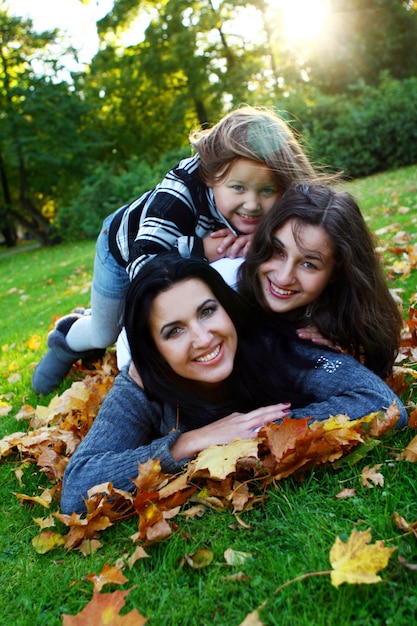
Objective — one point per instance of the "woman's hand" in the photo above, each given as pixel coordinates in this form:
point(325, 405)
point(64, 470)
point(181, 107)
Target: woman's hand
point(234, 426)
point(313, 334)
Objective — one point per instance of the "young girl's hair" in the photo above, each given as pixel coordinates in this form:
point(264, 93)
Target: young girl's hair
point(252, 133)
point(356, 309)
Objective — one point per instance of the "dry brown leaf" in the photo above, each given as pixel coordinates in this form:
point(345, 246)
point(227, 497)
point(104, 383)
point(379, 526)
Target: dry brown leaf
point(371, 475)
point(252, 619)
point(139, 553)
point(410, 451)
point(345, 493)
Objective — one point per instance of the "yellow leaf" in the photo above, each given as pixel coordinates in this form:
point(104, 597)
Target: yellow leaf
point(355, 562)
point(4, 408)
point(34, 343)
point(46, 541)
point(220, 461)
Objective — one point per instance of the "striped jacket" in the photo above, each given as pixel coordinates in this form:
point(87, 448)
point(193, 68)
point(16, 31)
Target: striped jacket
point(178, 213)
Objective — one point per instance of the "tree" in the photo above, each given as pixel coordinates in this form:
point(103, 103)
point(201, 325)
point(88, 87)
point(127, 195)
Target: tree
point(41, 146)
point(362, 39)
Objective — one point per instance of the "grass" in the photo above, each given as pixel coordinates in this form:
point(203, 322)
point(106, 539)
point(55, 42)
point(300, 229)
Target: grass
point(290, 534)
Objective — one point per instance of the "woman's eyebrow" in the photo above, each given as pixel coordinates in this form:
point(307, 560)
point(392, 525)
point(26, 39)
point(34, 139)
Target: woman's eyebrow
point(277, 240)
point(205, 303)
point(199, 308)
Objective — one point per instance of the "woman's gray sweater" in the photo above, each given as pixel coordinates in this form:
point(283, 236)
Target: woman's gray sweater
point(130, 428)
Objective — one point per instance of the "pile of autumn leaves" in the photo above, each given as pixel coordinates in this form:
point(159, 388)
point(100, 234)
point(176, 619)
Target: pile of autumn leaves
point(225, 476)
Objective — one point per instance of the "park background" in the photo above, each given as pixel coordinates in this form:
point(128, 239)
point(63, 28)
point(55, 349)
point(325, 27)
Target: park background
point(82, 135)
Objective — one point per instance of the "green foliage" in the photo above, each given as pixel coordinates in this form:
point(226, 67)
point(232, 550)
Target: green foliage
point(65, 135)
point(106, 190)
point(370, 129)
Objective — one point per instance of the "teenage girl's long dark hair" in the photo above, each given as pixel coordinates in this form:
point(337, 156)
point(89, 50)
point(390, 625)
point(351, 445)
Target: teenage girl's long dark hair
point(356, 309)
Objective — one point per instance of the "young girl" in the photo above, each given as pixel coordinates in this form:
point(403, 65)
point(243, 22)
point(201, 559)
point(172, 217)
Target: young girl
point(313, 262)
point(204, 370)
point(242, 165)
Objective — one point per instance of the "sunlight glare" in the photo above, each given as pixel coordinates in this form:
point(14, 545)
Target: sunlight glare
point(303, 19)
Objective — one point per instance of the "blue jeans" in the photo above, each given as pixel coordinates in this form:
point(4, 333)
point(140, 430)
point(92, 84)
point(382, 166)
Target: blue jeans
point(108, 293)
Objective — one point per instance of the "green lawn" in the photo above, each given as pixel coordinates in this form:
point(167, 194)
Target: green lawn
point(288, 535)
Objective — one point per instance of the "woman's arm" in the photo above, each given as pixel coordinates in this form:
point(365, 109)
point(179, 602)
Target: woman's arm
point(341, 385)
point(128, 429)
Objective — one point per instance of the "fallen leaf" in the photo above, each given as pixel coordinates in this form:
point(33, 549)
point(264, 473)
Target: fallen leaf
point(371, 475)
point(47, 541)
point(356, 562)
point(110, 574)
point(139, 553)
point(104, 610)
point(346, 493)
point(410, 451)
point(235, 557)
point(200, 558)
point(34, 343)
point(411, 566)
point(252, 619)
point(219, 461)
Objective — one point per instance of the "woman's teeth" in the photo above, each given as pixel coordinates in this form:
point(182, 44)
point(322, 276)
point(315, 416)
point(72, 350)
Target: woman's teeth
point(281, 292)
point(210, 356)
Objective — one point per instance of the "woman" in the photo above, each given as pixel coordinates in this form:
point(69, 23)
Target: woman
point(313, 262)
point(201, 369)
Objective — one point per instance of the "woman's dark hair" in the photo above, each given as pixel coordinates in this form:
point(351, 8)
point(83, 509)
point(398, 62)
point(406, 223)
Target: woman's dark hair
point(356, 309)
point(246, 388)
point(157, 276)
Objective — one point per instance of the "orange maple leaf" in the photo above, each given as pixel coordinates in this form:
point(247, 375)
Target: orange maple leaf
point(110, 574)
point(103, 610)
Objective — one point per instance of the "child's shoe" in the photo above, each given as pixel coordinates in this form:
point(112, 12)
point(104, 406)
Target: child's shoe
point(55, 365)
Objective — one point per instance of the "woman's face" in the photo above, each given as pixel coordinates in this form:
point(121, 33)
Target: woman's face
point(297, 272)
point(193, 332)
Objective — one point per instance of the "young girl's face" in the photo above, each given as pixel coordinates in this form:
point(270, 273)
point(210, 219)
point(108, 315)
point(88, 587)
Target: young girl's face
point(246, 194)
point(193, 333)
point(298, 271)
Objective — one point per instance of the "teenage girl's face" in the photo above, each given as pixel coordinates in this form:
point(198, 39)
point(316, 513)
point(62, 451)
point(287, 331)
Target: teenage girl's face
point(193, 333)
point(297, 273)
point(246, 194)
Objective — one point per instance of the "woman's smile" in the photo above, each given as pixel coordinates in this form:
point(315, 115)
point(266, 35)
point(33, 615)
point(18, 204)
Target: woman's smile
point(299, 269)
point(280, 292)
point(193, 332)
point(206, 358)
